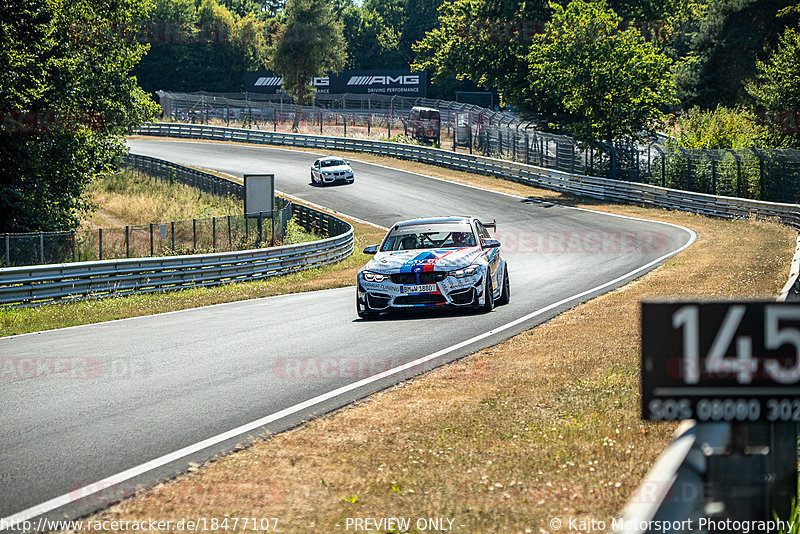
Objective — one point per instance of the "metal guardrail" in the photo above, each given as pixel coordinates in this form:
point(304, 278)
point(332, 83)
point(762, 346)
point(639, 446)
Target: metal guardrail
point(34, 285)
point(601, 188)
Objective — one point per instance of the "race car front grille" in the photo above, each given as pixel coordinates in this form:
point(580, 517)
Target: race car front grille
point(404, 278)
point(419, 299)
point(429, 277)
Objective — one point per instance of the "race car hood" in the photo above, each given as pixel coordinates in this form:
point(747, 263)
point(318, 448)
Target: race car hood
point(409, 261)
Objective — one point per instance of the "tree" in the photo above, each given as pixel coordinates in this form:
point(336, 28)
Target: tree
point(207, 47)
point(421, 16)
point(718, 129)
point(65, 101)
point(777, 89)
point(600, 82)
point(485, 41)
point(722, 46)
point(311, 44)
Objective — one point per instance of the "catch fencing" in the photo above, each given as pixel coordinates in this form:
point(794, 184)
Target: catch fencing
point(602, 188)
point(171, 238)
point(758, 174)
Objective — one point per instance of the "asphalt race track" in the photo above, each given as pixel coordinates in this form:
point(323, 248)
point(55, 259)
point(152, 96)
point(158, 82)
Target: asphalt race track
point(146, 387)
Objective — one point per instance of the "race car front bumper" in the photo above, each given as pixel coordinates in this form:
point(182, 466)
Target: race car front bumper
point(449, 292)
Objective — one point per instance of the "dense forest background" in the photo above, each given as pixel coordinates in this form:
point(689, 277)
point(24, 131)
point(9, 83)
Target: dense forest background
point(714, 46)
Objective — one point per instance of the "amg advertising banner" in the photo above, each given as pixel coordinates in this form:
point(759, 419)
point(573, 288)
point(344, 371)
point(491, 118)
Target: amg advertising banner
point(383, 82)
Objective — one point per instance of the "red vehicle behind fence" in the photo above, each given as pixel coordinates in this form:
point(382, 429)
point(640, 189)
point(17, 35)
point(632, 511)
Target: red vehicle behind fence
point(425, 124)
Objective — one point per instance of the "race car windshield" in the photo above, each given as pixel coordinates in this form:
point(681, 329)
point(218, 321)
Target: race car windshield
point(331, 163)
point(428, 237)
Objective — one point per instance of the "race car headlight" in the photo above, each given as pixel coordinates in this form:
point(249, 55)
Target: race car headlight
point(369, 276)
point(463, 273)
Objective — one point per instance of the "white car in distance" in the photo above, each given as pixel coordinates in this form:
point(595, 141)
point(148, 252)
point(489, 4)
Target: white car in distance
point(329, 170)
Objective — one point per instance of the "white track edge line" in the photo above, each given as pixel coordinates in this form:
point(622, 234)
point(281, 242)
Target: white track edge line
point(78, 494)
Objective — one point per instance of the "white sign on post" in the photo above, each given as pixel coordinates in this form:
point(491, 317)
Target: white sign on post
point(259, 195)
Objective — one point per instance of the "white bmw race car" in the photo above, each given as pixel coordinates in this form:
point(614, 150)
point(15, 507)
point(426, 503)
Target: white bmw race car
point(330, 169)
point(442, 261)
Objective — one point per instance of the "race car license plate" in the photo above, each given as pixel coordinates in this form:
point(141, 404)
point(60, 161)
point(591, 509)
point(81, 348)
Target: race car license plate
point(423, 288)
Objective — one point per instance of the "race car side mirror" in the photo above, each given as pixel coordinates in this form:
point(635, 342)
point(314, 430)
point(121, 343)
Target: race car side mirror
point(490, 243)
point(371, 249)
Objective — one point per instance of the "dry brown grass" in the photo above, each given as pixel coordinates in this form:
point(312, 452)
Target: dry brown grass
point(129, 198)
point(544, 425)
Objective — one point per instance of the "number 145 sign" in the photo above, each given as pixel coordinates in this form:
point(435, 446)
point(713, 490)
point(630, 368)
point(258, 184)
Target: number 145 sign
point(721, 361)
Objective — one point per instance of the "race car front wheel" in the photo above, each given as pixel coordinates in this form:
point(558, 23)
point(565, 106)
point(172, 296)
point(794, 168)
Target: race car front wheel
point(488, 294)
point(505, 296)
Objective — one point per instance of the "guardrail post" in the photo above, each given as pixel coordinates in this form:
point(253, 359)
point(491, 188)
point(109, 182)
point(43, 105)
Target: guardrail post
point(73, 247)
point(272, 238)
point(152, 243)
point(127, 242)
point(100, 234)
point(214, 234)
point(230, 236)
point(8, 249)
point(260, 228)
point(194, 235)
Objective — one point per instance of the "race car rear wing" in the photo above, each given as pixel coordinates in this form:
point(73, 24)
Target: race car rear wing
point(492, 225)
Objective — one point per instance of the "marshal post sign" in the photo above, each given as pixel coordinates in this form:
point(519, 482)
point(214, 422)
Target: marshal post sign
point(721, 361)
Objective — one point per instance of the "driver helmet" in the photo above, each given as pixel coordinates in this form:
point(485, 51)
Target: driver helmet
point(409, 242)
point(461, 239)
